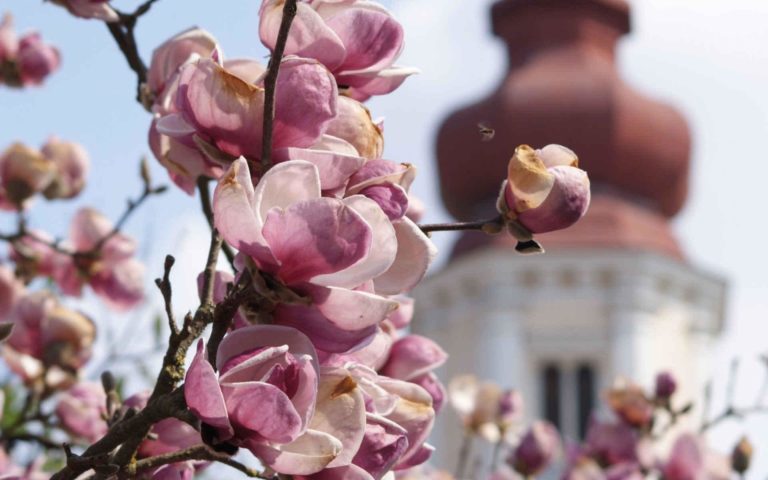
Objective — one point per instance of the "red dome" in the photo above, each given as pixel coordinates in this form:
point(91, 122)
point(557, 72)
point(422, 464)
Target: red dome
point(563, 87)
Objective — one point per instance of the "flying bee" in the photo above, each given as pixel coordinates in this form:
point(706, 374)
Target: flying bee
point(486, 132)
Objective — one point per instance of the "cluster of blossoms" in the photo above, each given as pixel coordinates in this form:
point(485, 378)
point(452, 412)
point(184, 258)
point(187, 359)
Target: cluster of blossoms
point(25, 60)
point(633, 445)
point(314, 371)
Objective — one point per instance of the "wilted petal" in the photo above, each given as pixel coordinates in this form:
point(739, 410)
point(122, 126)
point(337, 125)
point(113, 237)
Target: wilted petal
point(72, 165)
point(434, 387)
point(557, 155)
point(340, 412)
point(222, 107)
point(529, 182)
point(355, 125)
point(249, 70)
point(415, 252)
point(306, 455)
point(175, 52)
point(316, 237)
point(413, 411)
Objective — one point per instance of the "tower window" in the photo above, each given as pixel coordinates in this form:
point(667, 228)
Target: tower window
point(585, 379)
point(551, 398)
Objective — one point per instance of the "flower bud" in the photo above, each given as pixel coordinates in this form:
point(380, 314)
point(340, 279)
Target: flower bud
point(536, 450)
point(666, 385)
point(741, 457)
point(510, 408)
point(82, 411)
point(9, 43)
point(24, 172)
point(631, 405)
point(175, 52)
point(35, 59)
point(72, 165)
point(545, 190)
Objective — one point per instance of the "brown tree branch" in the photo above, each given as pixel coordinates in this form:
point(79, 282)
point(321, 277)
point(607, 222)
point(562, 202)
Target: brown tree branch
point(270, 83)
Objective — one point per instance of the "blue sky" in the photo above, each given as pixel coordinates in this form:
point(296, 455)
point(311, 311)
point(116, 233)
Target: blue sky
point(705, 56)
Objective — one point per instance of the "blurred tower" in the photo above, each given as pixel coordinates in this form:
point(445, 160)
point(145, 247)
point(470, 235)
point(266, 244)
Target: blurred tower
point(614, 295)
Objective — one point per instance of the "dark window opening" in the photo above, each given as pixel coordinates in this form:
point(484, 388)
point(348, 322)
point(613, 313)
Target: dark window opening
point(585, 378)
point(551, 397)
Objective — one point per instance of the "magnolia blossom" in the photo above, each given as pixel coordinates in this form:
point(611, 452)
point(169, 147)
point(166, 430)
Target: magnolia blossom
point(333, 251)
point(24, 172)
point(171, 55)
point(666, 385)
point(359, 41)
point(545, 190)
point(536, 450)
point(221, 108)
point(71, 165)
point(484, 408)
point(9, 42)
point(690, 459)
point(263, 398)
point(630, 404)
point(612, 443)
point(47, 339)
point(111, 271)
point(35, 60)
point(354, 125)
point(82, 411)
point(97, 9)
point(413, 358)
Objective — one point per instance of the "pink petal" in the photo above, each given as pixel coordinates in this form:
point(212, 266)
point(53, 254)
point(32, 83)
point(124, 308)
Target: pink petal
point(392, 199)
point(285, 184)
point(175, 52)
point(203, 394)
point(306, 455)
point(364, 84)
point(234, 214)
point(316, 237)
point(308, 37)
point(325, 335)
point(377, 259)
point(413, 356)
point(256, 336)
point(415, 252)
point(372, 355)
point(334, 168)
point(350, 309)
point(401, 317)
point(379, 172)
point(567, 202)
point(305, 103)
point(384, 443)
point(373, 39)
point(121, 285)
point(263, 409)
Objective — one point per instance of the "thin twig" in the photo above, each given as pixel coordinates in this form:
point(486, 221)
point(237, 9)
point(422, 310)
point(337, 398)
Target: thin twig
point(196, 452)
point(459, 226)
point(164, 285)
point(205, 205)
point(270, 83)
